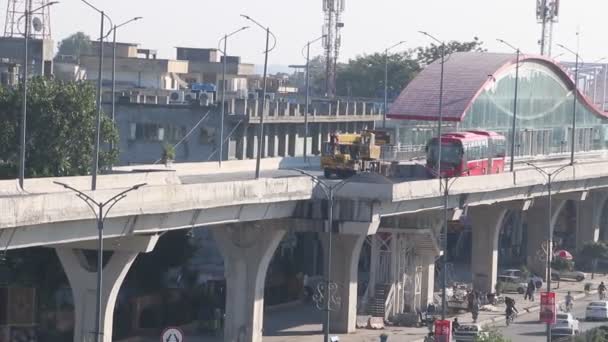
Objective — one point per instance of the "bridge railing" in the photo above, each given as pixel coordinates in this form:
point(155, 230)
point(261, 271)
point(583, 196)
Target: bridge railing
point(402, 152)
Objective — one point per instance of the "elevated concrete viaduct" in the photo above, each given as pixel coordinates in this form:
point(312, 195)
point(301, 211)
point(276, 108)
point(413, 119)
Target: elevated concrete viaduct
point(400, 220)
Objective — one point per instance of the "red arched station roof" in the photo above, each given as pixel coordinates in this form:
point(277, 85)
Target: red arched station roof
point(466, 75)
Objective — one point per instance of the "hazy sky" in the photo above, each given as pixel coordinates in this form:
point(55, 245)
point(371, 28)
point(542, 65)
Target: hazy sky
point(370, 25)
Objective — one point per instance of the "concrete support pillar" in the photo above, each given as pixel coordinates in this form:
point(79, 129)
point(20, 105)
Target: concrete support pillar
point(346, 249)
point(273, 142)
point(83, 281)
point(247, 250)
point(241, 144)
point(536, 219)
point(293, 141)
point(283, 140)
point(316, 139)
point(486, 222)
point(589, 214)
point(251, 142)
point(428, 279)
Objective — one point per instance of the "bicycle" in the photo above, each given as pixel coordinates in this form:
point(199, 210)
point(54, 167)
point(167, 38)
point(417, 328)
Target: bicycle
point(510, 318)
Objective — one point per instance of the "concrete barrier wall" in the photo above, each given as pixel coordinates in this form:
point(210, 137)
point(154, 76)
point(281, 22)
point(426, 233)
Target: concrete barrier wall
point(114, 181)
point(230, 166)
point(37, 209)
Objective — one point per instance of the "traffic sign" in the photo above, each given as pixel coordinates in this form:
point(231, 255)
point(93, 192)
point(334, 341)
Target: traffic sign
point(548, 307)
point(443, 330)
point(172, 335)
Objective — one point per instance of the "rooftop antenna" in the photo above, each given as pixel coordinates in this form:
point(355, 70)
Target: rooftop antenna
point(40, 19)
point(547, 14)
point(332, 42)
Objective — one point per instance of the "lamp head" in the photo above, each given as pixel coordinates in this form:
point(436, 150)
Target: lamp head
point(137, 18)
point(135, 187)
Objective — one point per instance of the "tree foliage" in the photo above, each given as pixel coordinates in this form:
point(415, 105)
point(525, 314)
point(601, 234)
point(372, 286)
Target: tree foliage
point(75, 45)
point(429, 54)
point(560, 264)
point(492, 335)
point(592, 251)
point(61, 121)
point(364, 75)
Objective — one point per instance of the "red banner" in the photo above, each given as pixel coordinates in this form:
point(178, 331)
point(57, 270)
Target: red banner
point(548, 307)
point(443, 330)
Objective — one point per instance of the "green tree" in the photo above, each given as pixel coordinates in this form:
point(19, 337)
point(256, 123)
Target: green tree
point(60, 129)
point(364, 75)
point(75, 45)
point(590, 253)
point(429, 54)
point(493, 335)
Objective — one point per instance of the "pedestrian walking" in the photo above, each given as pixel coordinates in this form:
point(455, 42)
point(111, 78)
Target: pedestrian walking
point(530, 291)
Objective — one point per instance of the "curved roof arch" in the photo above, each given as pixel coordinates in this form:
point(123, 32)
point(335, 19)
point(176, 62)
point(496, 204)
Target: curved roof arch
point(466, 75)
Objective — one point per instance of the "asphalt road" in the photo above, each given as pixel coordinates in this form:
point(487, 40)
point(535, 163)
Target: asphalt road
point(528, 328)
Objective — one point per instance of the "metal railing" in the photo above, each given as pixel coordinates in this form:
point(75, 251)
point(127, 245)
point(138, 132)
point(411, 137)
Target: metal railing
point(402, 152)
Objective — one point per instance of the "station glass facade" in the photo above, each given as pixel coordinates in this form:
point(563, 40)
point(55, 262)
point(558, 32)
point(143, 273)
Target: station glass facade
point(545, 109)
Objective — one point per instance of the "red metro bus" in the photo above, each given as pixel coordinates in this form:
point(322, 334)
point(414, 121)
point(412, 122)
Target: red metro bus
point(468, 153)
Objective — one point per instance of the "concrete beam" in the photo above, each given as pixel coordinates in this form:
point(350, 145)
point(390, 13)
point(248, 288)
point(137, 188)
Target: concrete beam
point(139, 244)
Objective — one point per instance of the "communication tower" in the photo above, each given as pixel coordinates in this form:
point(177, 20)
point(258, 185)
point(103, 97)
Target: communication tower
point(40, 19)
point(547, 14)
point(332, 27)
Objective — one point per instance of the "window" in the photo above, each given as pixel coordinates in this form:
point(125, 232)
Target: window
point(156, 132)
point(207, 135)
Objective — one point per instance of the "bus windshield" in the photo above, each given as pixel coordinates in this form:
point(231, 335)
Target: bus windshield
point(451, 153)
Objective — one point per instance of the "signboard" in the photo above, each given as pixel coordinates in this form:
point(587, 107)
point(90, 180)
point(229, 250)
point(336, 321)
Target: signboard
point(172, 335)
point(548, 307)
point(443, 330)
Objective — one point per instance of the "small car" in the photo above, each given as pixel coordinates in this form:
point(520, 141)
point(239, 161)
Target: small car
point(597, 311)
point(512, 284)
point(468, 332)
point(513, 272)
point(565, 325)
point(559, 275)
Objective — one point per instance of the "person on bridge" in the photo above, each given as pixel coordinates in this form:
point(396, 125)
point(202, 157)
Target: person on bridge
point(601, 290)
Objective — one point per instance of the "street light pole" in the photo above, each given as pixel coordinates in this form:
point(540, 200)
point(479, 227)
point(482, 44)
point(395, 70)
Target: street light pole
point(386, 81)
point(514, 121)
point(325, 297)
point(113, 30)
point(440, 120)
point(223, 98)
point(23, 130)
point(574, 98)
point(100, 215)
point(306, 106)
point(95, 162)
point(261, 128)
point(549, 176)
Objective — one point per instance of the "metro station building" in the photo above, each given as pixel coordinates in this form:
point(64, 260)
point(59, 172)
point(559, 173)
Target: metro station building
point(479, 92)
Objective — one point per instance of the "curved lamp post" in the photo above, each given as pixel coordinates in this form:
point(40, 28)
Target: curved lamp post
point(514, 122)
point(100, 215)
point(95, 166)
point(113, 31)
point(261, 129)
point(549, 177)
point(386, 80)
point(306, 109)
point(325, 296)
point(574, 98)
point(223, 99)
